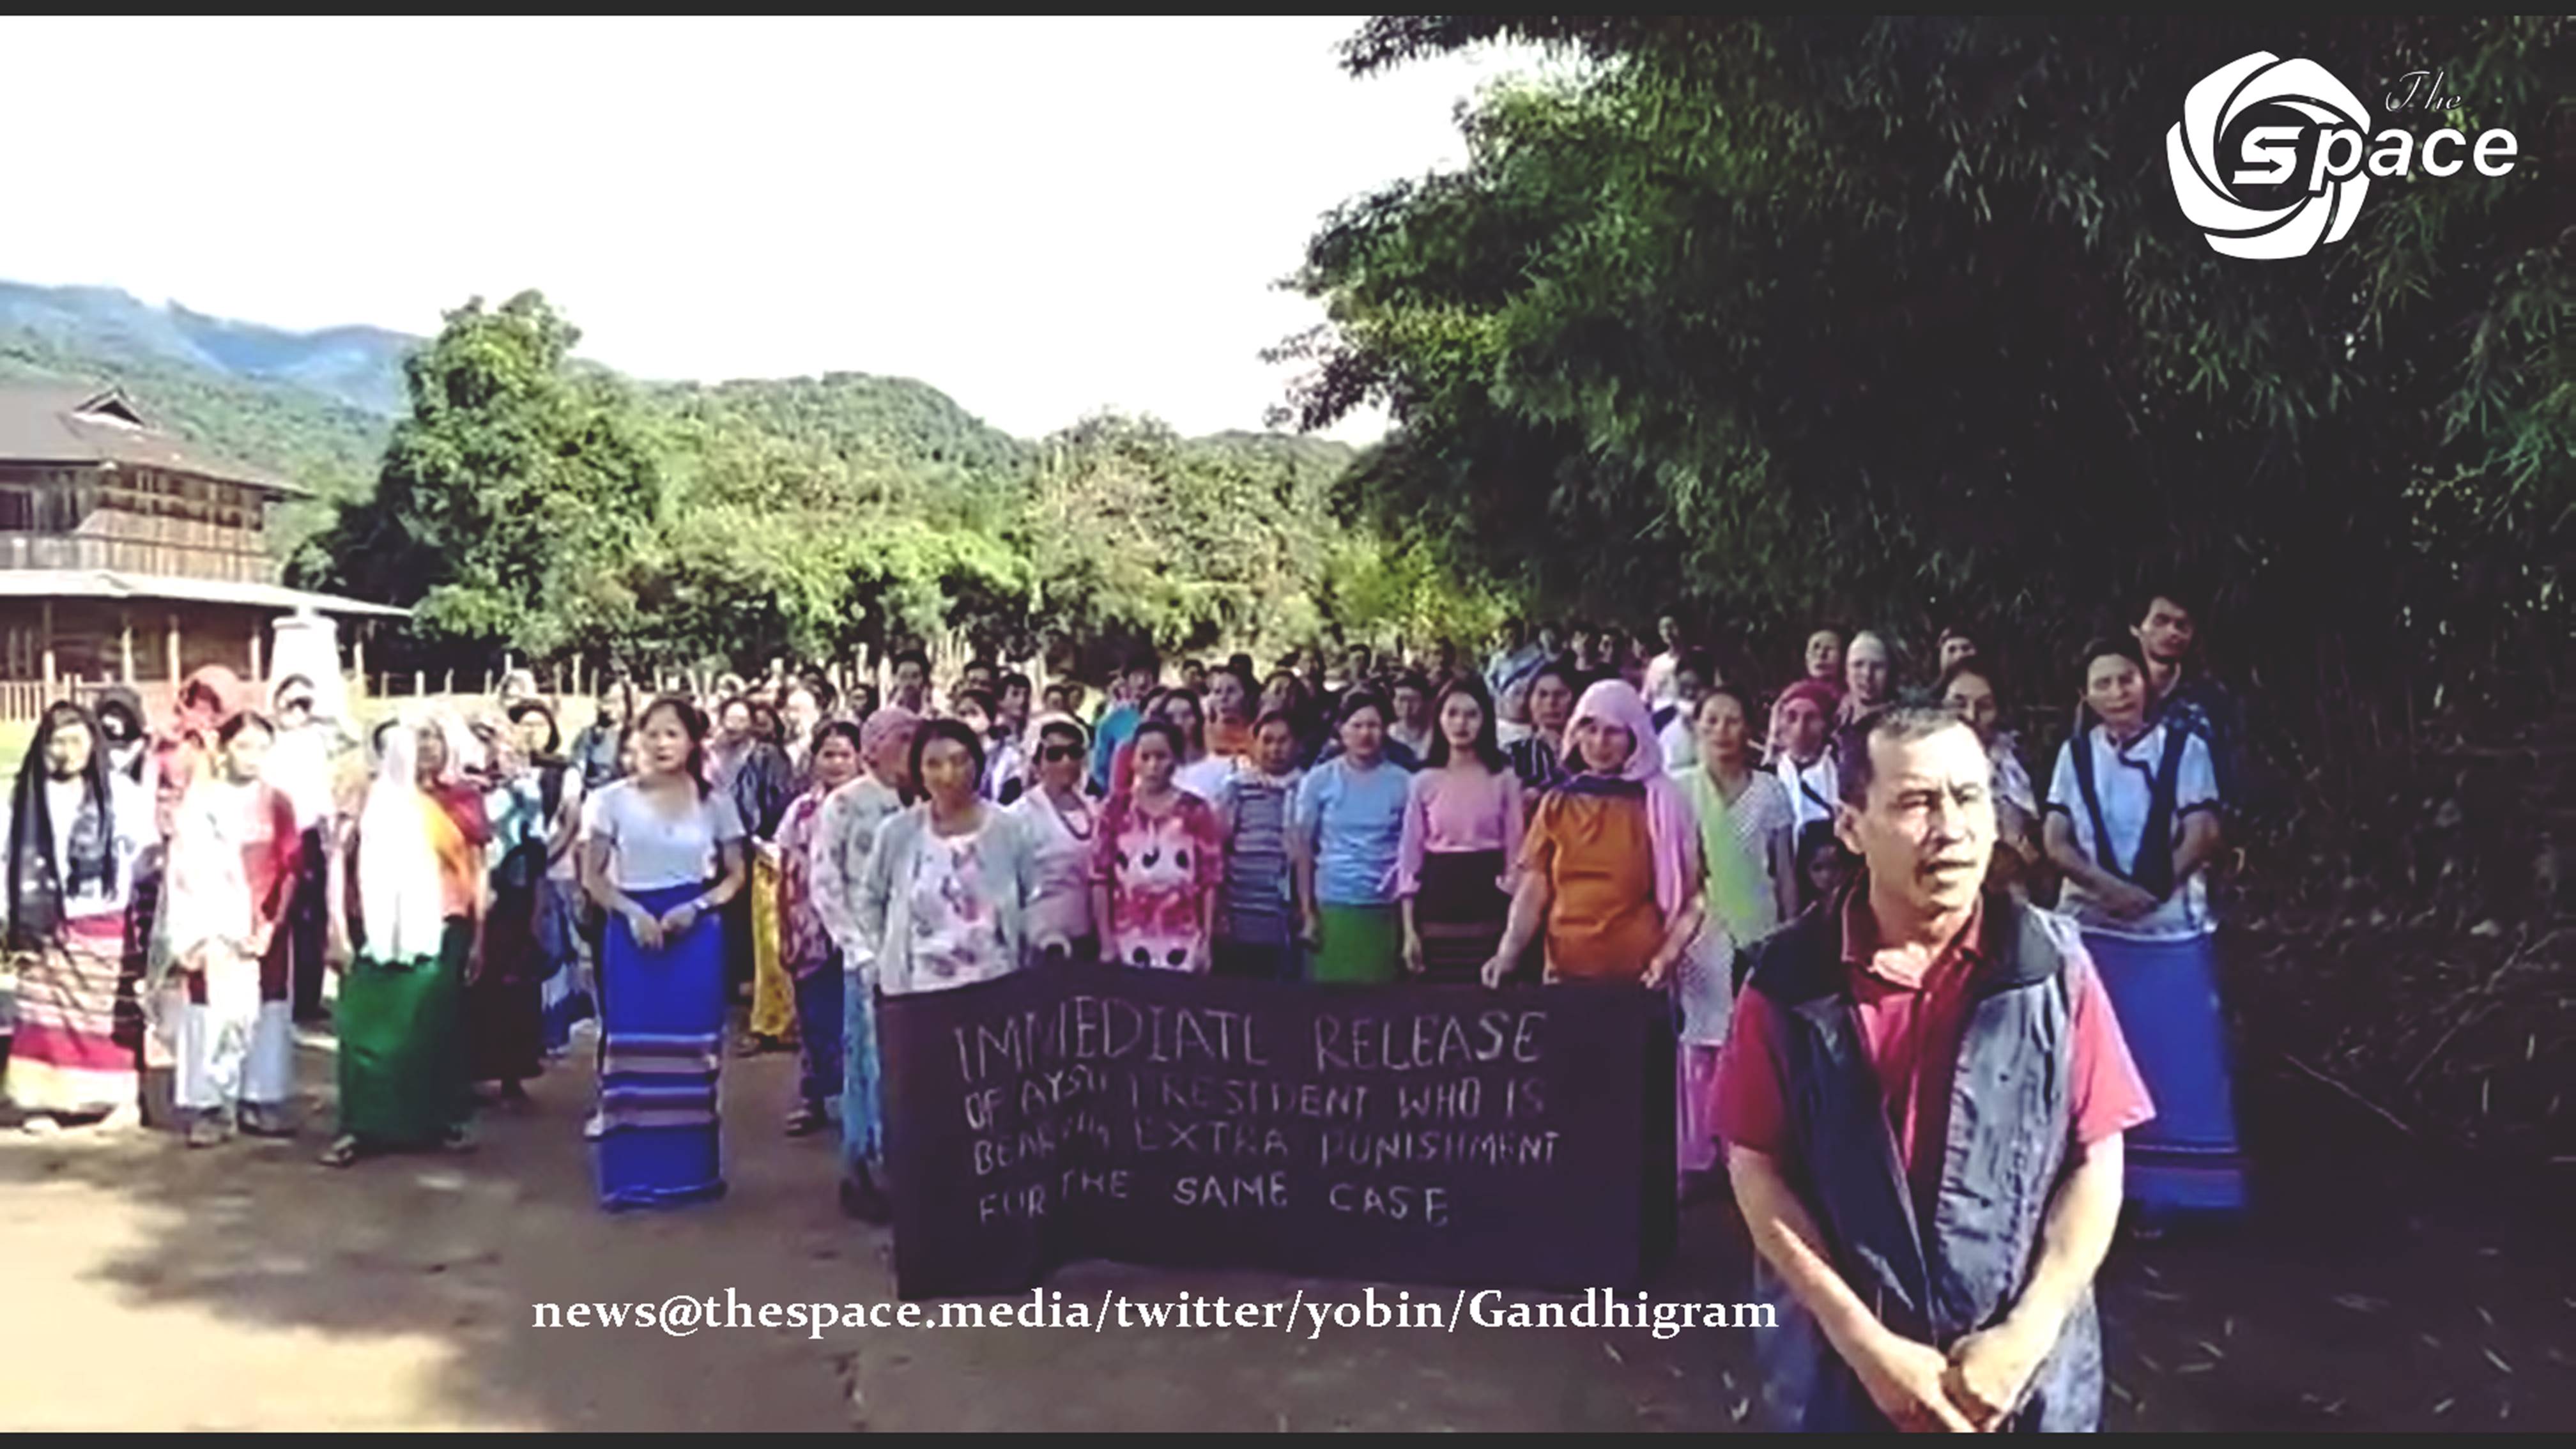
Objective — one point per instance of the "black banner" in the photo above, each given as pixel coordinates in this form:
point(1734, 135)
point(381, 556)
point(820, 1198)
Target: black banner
point(1441, 1134)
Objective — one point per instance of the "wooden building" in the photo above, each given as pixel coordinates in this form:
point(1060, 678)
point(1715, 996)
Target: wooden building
point(128, 555)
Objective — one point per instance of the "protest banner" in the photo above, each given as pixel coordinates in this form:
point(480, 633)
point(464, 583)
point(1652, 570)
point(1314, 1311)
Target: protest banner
point(1414, 1133)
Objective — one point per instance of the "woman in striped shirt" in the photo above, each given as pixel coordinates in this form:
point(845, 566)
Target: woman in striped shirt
point(1257, 931)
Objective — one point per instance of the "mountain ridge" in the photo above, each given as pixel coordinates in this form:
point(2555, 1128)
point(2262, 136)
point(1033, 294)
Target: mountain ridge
point(318, 407)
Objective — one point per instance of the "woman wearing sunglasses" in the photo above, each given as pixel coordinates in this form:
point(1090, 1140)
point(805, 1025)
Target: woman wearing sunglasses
point(1061, 824)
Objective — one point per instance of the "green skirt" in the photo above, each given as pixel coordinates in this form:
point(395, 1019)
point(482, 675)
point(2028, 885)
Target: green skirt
point(402, 1061)
point(1362, 944)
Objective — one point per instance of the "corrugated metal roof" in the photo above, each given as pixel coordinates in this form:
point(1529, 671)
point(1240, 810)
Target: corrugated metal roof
point(85, 424)
point(102, 584)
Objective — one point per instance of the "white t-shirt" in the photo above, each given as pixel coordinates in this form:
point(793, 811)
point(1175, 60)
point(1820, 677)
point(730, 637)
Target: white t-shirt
point(649, 850)
point(1680, 746)
point(1663, 679)
point(2123, 780)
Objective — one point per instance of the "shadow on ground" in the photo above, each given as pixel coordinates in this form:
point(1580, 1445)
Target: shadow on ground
point(154, 1287)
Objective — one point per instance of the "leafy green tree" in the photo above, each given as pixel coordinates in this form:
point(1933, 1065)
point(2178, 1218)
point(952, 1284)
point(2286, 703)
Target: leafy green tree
point(512, 471)
point(1895, 319)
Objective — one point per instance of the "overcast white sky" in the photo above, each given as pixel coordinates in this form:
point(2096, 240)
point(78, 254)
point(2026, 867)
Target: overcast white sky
point(1039, 217)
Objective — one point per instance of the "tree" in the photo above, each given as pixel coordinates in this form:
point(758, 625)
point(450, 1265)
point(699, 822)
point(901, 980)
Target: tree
point(514, 477)
point(1139, 534)
point(1884, 319)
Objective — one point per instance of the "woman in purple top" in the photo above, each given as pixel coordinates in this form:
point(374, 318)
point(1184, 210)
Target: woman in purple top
point(1462, 838)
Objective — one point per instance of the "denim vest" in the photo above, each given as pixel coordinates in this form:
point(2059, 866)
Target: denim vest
point(2005, 1154)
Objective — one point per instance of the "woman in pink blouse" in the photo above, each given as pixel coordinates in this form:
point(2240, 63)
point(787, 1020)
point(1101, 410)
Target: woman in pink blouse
point(1462, 838)
point(1160, 864)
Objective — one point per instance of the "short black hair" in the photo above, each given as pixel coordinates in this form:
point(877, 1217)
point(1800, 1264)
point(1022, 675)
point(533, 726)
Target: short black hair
point(903, 657)
point(1015, 680)
point(1142, 663)
point(1902, 723)
point(2182, 591)
point(842, 729)
point(231, 729)
point(1743, 699)
point(1973, 664)
point(979, 699)
point(1170, 733)
point(1067, 729)
point(946, 729)
point(1360, 699)
point(2121, 644)
point(520, 711)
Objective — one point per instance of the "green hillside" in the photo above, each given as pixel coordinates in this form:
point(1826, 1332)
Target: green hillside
point(554, 507)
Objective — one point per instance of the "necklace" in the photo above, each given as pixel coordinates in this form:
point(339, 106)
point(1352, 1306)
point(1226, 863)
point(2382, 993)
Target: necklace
point(1082, 832)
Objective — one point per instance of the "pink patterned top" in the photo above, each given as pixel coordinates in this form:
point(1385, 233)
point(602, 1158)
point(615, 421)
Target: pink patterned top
point(1160, 870)
point(804, 943)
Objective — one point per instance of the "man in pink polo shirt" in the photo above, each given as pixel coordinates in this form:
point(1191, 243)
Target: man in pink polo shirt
point(1922, 1098)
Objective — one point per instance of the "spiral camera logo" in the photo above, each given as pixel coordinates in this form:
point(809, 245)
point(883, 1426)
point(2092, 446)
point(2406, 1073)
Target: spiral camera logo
point(2234, 222)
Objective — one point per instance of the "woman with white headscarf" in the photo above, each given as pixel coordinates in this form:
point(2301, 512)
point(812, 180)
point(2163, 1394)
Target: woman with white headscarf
point(405, 908)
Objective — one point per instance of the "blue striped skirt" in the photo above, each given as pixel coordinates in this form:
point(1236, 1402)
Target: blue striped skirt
point(662, 1041)
point(2165, 994)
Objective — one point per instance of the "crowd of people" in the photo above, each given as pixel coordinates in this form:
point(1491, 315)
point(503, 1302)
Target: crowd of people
point(1580, 807)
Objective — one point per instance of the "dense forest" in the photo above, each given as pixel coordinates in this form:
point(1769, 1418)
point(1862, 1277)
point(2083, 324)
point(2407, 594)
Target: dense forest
point(1896, 323)
point(531, 503)
point(536, 503)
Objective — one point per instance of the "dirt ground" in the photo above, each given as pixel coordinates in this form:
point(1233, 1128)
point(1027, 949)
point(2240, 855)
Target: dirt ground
point(145, 1286)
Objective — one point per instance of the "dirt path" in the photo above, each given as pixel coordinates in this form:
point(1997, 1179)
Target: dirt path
point(147, 1286)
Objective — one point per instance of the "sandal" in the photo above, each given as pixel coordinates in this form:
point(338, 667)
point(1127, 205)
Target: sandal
point(208, 1131)
point(342, 1152)
point(805, 1121)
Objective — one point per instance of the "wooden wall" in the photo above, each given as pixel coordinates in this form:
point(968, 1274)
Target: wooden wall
point(133, 520)
point(89, 643)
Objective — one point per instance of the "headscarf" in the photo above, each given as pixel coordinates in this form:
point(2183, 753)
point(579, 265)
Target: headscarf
point(403, 908)
point(209, 697)
point(452, 791)
point(121, 699)
point(1815, 692)
point(38, 883)
point(497, 741)
point(1670, 828)
point(891, 726)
